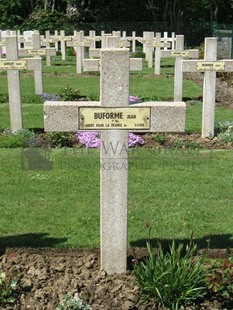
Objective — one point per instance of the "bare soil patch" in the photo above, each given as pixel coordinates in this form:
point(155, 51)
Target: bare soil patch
point(46, 276)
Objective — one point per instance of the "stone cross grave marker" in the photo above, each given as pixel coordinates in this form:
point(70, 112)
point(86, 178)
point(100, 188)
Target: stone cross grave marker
point(36, 50)
point(12, 64)
point(210, 65)
point(49, 39)
point(79, 43)
point(111, 42)
point(157, 44)
point(171, 39)
point(179, 54)
point(133, 39)
point(113, 116)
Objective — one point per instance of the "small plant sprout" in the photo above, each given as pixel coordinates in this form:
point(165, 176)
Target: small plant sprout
point(8, 286)
point(73, 303)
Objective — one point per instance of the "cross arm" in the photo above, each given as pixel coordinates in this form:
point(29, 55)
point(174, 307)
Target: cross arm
point(34, 63)
point(176, 53)
point(165, 116)
point(64, 116)
point(94, 64)
point(202, 65)
point(48, 51)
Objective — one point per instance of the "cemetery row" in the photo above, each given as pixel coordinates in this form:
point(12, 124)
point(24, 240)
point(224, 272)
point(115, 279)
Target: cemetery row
point(152, 44)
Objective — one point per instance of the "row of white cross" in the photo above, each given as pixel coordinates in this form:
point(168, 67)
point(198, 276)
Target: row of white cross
point(25, 39)
point(209, 66)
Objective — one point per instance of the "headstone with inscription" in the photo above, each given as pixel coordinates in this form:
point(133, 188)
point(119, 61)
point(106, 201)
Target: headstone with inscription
point(113, 116)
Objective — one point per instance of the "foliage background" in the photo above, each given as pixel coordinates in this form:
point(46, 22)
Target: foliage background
point(193, 18)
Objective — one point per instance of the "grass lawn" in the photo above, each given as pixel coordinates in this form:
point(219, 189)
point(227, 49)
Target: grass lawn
point(174, 192)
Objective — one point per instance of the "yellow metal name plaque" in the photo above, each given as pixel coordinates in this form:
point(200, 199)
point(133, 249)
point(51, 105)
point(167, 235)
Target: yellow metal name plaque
point(114, 118)
point(179, 54)
point(210, 66)
point(13, 64)
point(41, 52)
point(2, 43)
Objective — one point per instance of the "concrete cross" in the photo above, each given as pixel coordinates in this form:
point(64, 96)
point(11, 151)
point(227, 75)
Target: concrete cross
point(179, 54)
point(64, 41)
point(13, 64)
point(209, 66)
point(171, 39)
point(113, 114)
point(157, 44)
point(50, 39)
point(94, 64)
point(133, 40)
point(79, 43)
point(36, 50)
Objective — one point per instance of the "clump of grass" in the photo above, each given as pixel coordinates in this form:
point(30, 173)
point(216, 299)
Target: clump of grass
point(171, 279)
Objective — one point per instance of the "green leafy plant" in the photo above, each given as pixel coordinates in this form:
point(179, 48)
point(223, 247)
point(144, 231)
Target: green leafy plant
point(160, 138)
point(171, 279)
point(225, 131)
point(60, 139)
point(220, 277)
point(8, 285)
point(70, 94)
point(19, 138)
point(72, 303)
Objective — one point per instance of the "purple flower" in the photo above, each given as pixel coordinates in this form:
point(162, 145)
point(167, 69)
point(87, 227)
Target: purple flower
point(134, 99)
point(91, 139)
point(49, 97)
point(135, 139)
